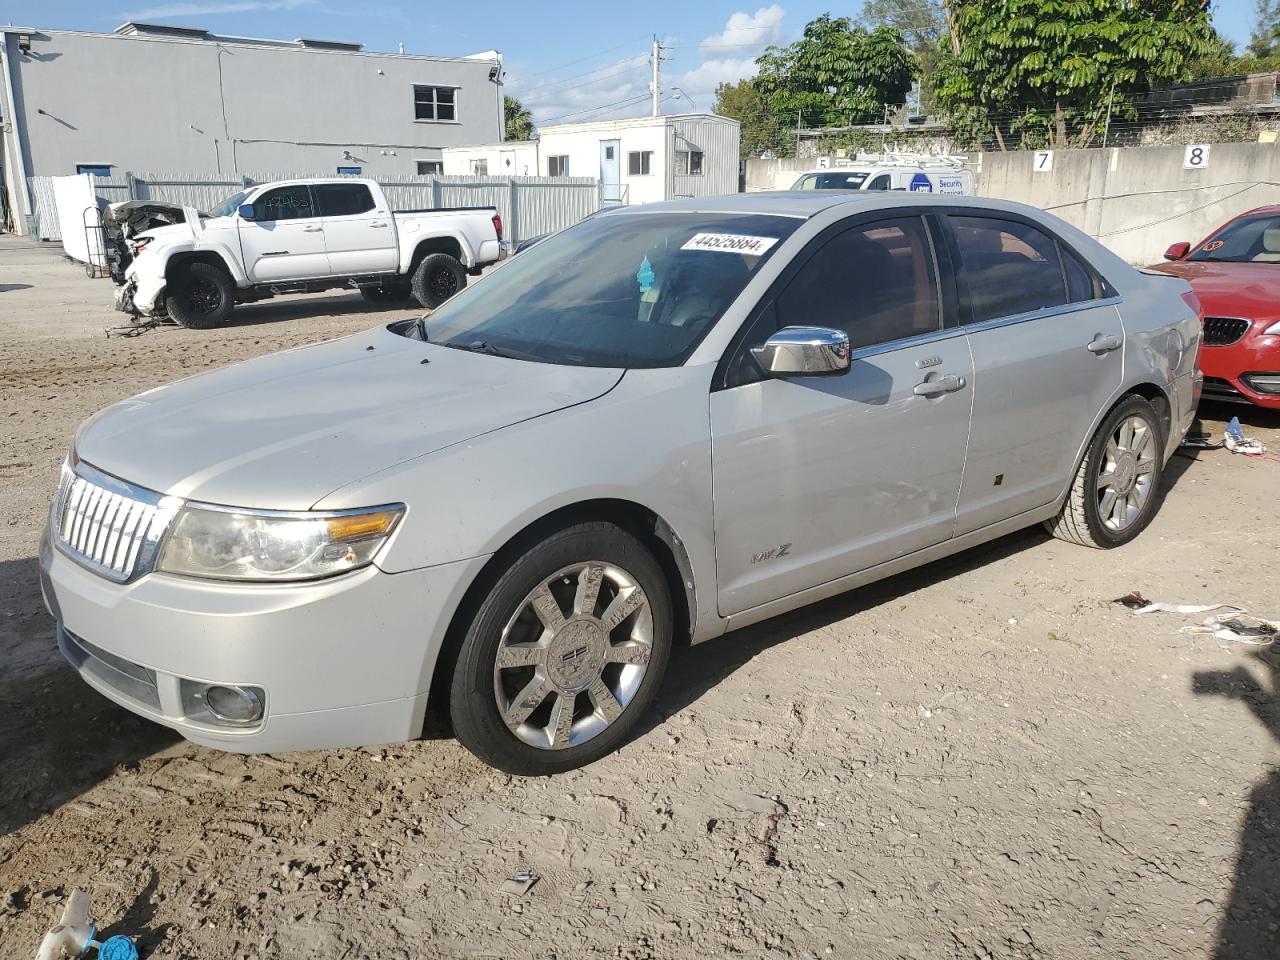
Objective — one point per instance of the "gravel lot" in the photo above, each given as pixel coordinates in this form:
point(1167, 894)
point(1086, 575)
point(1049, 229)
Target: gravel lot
point(983, 758)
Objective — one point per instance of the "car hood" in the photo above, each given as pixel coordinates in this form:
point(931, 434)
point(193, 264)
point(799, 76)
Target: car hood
point(282, 431)
point(1251, 290)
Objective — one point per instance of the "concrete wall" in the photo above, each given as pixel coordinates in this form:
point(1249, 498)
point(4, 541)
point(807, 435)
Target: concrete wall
point(1138, 200)
point(148, 103)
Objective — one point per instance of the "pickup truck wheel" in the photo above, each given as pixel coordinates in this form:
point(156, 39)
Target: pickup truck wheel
point(564, 654)
point(437, 278)
point(200, 297)
point(1117, 489)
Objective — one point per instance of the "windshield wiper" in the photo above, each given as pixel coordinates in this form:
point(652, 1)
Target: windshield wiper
point(484, 346)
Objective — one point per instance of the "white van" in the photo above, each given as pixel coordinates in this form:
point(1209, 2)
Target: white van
point(881, 175)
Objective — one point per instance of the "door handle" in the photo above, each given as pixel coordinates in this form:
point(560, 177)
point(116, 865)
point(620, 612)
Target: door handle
point(312, 229)
point(379, 224)
point(936, 388)
point(1101, 344)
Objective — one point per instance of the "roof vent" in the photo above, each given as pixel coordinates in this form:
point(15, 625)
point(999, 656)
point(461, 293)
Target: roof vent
point(135, 29)
point(328, 44)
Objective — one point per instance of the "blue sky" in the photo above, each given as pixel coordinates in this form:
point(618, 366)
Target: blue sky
point(571, 60)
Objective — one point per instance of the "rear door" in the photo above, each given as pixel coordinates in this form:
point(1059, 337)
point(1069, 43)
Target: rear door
point(358, 232)
point(285, 238)
point(819, 477)
point(1048, 355)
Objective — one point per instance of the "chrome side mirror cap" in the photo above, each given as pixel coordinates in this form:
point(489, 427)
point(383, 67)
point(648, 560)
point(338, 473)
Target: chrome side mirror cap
point(804, 352)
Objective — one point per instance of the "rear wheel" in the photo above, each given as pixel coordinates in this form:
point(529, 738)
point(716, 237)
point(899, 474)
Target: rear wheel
point(1116, 490)
point(437, 278)
point(564, 654)
point(200, 296)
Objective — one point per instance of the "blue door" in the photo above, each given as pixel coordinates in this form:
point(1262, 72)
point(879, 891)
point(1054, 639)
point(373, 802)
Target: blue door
point(610, 172)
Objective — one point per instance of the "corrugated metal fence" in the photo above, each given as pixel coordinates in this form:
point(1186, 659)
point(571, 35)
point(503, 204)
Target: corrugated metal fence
point(529, 206)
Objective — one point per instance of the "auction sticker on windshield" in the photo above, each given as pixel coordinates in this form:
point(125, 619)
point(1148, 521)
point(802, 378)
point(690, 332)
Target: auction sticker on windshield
point(730, 243)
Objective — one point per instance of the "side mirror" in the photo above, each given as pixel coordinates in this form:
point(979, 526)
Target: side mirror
point(804, 352)
point(1178, 250)
point(246, 211)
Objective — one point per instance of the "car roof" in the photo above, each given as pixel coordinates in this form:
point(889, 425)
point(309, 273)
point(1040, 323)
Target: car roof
point(809, 203)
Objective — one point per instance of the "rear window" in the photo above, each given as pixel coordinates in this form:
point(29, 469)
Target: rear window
point(1008, 267)
point(343, 199)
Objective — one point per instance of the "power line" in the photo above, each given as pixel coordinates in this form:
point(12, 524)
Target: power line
point(595, 75)
point(605, 106)
point(571, 63)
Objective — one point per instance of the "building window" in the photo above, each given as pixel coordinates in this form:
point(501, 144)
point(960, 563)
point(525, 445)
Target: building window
point(97, 169)
point(435, 103)
point(638, 163)
point(688, 163)
point(480, 168)
point(430, 168)
point(558, 166)
point(351, 171)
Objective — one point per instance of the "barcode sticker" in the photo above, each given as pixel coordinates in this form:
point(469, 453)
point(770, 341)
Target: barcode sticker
point(730, 243)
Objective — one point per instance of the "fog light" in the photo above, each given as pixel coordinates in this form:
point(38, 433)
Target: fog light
point(1263, 382)
point(234, 704)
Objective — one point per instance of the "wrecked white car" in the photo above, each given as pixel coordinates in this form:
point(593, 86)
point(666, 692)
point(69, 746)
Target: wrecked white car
point(304, 236)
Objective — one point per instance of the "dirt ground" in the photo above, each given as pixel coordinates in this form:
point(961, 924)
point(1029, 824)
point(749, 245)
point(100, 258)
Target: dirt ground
point(984, 758)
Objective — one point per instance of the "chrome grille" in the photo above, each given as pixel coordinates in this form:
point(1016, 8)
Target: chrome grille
point(109, 526)
point(1223, 331)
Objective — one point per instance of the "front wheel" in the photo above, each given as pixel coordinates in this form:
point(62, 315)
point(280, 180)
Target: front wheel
point(437, 278)
point(564, 654)
point(200, 297)
point(1116, 490)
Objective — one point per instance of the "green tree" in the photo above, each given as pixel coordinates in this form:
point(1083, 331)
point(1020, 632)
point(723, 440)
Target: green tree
point(1218, 60)
point(836, 73)
point(923, 25)
point(761, 129)
point(518, 120)
point(1048, 71)
point(1265, 39)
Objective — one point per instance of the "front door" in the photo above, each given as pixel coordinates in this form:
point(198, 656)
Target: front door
point(1048, 356)
point(610, 171)
point(285, 238)
point(358, 233)
point(816, 478)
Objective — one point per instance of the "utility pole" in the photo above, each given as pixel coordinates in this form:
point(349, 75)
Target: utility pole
point(1107, 127)
point(656, 83)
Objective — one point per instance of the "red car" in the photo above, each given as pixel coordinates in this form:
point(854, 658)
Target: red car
point(1235, 272)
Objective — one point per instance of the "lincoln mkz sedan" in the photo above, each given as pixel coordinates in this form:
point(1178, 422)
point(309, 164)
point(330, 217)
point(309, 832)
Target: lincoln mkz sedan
point(668, 421)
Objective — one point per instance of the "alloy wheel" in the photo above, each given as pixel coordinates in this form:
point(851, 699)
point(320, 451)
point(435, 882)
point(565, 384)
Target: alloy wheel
point(1126, 474)
point(573, 655)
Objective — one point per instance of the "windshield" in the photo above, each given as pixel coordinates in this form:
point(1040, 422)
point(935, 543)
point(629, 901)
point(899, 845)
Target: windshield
point(620, 290)
point(835, 180)
point(1250, 240)
point(230, 205)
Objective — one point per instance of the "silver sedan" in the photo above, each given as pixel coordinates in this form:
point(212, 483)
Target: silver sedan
point(661, 425)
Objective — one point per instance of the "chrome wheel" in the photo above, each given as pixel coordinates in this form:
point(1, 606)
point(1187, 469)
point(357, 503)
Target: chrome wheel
point(573, 655)
point(1127, 473)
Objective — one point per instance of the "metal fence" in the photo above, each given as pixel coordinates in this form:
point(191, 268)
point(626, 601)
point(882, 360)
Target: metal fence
point(529, 206)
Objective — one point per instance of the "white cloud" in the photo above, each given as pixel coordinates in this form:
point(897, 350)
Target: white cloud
point(209, 9)
point(745, 32)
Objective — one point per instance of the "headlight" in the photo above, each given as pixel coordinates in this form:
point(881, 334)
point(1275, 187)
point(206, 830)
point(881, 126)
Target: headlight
point(230, 544)
point(1273, 330)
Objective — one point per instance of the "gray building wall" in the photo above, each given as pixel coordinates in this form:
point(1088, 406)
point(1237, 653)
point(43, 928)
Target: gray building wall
point(227, 106)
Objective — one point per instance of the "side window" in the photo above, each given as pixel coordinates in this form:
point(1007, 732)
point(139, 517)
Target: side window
point(1079, 280)
point(882, 182)
point(875, 282)
point(284, 203)
point(1009, 267)
point(343, 199)
point(808, 182)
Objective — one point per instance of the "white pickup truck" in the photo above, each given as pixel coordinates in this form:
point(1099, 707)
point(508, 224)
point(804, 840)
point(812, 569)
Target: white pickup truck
point(303, 236)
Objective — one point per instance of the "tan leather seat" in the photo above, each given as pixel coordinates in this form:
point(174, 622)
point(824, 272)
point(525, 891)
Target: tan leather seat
point(1270, 246)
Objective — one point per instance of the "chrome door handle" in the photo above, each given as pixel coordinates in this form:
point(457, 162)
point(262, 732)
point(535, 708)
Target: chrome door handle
point(1102, 344)
point(312, 229)
point(936, 388)
point(377, 224)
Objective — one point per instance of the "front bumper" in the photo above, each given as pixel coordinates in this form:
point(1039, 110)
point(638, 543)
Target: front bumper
point(343, 662)
point(1226, 370)
point(140, 294)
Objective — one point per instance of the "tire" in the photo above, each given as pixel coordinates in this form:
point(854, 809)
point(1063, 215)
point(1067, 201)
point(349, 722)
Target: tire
point(437, 278)
point(200, 297)
point(577, 663)
point(1129, 450)
point(386, 294)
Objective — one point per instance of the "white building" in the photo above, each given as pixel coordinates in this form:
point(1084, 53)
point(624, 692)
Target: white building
point(641, 160)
